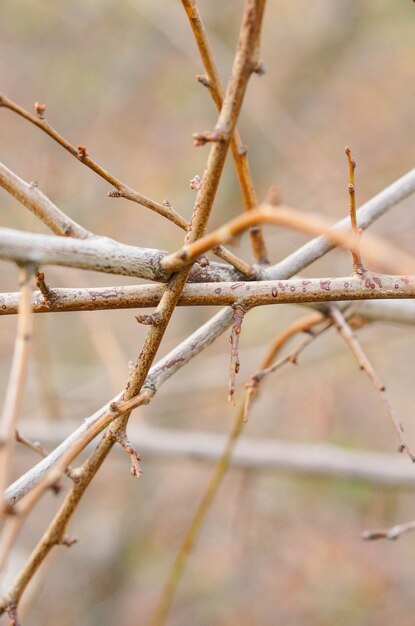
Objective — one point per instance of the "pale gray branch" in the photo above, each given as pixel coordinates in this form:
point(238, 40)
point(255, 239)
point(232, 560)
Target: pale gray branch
point(323, 460)
point(100, 254)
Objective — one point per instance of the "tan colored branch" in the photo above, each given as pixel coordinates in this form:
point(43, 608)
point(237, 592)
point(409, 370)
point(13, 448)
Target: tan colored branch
point(15, 387)
point(377, 251)
point(251, 294)
point(239, 152)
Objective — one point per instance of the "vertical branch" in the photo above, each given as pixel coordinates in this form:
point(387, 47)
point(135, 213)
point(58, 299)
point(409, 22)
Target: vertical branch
point(15, 388)
point(357, 261)
point(239, 152)
point(192, 533)
point(238, 316)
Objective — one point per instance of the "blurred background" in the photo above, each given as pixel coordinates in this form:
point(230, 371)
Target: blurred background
point(119, 78)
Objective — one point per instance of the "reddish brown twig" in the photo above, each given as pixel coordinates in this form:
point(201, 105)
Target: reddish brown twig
point(303, 325)
point(47, 293)
point(351, 340)
point(238, 316)
point(355, 250)
point(80, 152)
point(135, 457)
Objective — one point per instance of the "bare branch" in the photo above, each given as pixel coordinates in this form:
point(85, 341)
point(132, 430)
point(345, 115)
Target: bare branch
point(366, 215)
point(239, 152)
point(351, 340)
point(251, 294)
point(392, 533)
point(15, 388)
point(315, 459)
point(32, 198)
point(81, 154)
point(377, 251)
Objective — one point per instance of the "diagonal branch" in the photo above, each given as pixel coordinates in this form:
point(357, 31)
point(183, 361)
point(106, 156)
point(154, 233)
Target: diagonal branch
point(239, 152)
point(81, 154)
point(351, 340)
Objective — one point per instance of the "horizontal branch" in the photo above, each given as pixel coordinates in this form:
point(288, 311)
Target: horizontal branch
point(295, 291)
point(323, 460)
point(100, 254)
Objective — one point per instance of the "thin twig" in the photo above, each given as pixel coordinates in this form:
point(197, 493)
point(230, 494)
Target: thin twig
point(238, 316)
point(268, 367)
point(15, 387)
point(351, 340)
point(82, 155)
point(392, 533)
point(357, 261)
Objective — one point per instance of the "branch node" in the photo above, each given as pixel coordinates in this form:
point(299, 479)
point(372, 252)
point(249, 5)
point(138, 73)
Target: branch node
point(153, 319)
point(68, 541)
point(132, 452)
point(82, 153)
point(196, 183)
point(259, 68)
point(200, 139)
point(115, 193)
point(12, 613)
point(203, 80)
point(40, 110)
point(47, 293)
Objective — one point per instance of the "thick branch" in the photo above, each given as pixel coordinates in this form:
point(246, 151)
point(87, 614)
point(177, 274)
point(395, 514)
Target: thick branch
point(251, 294)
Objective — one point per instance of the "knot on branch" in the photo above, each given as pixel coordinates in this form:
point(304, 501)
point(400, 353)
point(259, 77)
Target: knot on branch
point(40, 110)
point(153, 319)
point(208, 136)
point(81, 152)
point(115, 193)
point(196, 183)
point(259, 68)
point(203, 80)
